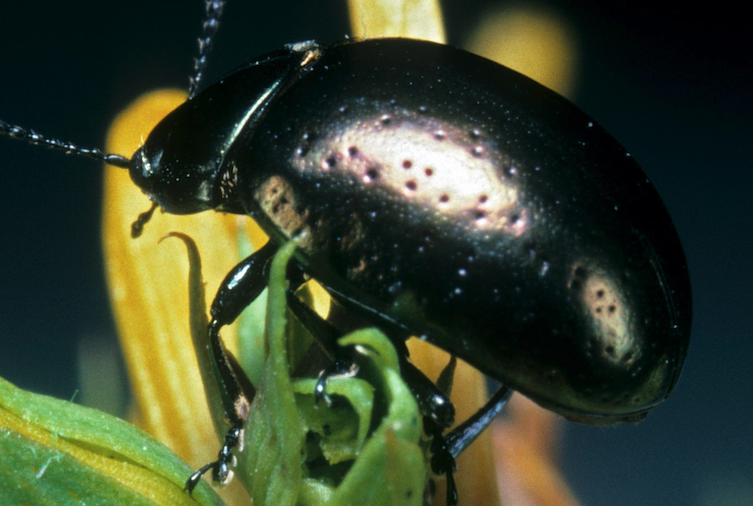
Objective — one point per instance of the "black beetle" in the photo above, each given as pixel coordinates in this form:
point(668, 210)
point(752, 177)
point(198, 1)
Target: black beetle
point(480, 210)
point(446, 197)
point(454, 197)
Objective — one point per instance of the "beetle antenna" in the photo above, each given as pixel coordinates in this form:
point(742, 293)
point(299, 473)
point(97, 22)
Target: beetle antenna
point(210, 27)
point(33, 137)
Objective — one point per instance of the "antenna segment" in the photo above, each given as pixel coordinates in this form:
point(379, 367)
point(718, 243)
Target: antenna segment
point(33, 137)
point(210, 27)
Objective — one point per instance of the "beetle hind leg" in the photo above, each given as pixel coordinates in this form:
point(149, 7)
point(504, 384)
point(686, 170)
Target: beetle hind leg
point(464, 434)
point(445, 449)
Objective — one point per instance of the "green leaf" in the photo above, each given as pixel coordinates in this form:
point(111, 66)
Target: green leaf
point(270, 465)
point(341, 429)
point(56, 452)
point(391, 468)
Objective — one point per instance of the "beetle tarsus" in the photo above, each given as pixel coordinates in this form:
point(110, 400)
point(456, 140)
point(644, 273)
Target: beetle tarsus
point(196, 477)
point(341, 367)
point(442, 460)
point(221, 472)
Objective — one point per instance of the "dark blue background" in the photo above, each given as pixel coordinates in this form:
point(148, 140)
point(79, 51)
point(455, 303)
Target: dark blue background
point(674, 88)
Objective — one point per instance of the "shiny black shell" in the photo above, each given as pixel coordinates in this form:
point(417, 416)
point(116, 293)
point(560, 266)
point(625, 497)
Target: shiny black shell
point(480, 210)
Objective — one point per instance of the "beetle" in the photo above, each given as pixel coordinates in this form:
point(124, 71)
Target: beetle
point(440, 195)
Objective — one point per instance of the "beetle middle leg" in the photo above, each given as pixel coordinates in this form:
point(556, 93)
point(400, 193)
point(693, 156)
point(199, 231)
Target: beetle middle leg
point(432, 402)
point(241, 287)
point(435, 406)
point(326, 335)
point(437, 409)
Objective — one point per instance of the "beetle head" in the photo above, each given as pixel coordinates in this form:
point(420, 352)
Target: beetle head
point(177, 166)
point(180, 166)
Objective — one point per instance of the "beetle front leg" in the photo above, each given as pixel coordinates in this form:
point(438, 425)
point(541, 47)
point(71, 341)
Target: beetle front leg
point(241, 287)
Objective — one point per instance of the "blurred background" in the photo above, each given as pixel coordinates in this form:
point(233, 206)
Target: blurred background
point(673, 87)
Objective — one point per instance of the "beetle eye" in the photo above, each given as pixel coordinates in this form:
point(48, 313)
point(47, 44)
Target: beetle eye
point(141, 170)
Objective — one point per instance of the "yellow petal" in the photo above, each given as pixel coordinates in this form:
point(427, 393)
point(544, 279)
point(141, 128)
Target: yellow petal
point(418, 19)
point(535, 41)
point(526, 443)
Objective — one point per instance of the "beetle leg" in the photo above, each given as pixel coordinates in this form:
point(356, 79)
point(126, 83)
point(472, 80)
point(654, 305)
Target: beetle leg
point(446, 448)
point(326, 335)
point(464, 434)
point(432, 402)
point(241, 287)
point(442, 460)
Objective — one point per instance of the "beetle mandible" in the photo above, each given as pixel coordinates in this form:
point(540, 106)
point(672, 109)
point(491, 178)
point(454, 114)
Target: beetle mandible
point(447, 197)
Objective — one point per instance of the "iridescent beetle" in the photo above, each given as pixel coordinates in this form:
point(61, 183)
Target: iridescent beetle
point(439, 195)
